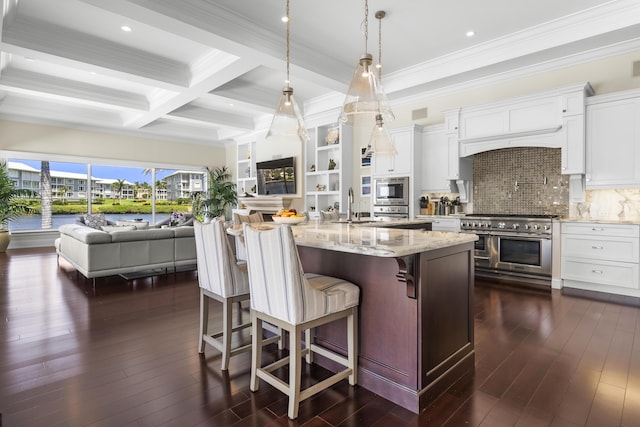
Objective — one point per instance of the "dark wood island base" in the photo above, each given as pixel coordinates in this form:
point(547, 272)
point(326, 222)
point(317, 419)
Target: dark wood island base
point(416, 319)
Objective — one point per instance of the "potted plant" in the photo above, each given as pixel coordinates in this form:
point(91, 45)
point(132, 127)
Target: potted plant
point(11, 204)
point(220, 194)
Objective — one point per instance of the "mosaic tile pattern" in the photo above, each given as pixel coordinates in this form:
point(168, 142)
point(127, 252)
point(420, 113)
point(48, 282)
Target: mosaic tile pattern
point(496, 172)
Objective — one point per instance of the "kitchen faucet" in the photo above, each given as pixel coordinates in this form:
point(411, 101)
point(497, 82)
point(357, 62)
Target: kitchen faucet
point(350, 204)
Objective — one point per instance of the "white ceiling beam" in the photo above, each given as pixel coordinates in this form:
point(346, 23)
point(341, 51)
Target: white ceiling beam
point(57, 45)
point(212, 25)
point(227, 70)
point(70, 90)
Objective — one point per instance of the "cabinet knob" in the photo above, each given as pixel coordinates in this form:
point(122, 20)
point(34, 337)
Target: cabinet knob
point(564, 110)
point(597, 271)
point(597, 247)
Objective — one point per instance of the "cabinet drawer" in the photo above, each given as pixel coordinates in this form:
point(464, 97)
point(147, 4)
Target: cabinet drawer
point(601, 248)
point(599, 229)
point(605, 272)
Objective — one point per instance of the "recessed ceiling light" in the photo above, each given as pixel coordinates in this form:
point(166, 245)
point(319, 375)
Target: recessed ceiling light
point(126, 28)
point(470, 33)
point(285, 19)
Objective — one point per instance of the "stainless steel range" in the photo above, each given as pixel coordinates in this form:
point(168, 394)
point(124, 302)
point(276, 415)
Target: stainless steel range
point(512, 246)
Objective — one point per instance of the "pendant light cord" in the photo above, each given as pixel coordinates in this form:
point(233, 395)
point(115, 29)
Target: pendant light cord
point(288, 42)
point(380, 15)
point(366, 26)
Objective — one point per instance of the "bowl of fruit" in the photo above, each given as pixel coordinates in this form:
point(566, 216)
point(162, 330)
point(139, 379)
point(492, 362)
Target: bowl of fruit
point(288, 216)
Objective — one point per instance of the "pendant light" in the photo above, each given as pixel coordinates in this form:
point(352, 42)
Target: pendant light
point(288, 123)
point(381, 142)
point(365, 95)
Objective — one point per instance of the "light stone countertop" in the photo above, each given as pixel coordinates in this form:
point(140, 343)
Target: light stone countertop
point(370, 238)
point(600, 221)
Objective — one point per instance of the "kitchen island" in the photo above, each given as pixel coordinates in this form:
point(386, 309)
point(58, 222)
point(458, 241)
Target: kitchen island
point(416, 312)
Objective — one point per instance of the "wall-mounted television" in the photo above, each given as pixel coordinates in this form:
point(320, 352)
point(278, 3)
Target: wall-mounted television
point(276, 176)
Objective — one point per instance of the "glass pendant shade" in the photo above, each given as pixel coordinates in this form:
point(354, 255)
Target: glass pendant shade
point(365, 95)
point(381, 142)
point(288, 123)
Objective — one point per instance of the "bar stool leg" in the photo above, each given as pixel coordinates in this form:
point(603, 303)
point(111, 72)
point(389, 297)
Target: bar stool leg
point(227, 312)
point(204, 319)
point(295, 371)
point(256, 350)
point(352, 344)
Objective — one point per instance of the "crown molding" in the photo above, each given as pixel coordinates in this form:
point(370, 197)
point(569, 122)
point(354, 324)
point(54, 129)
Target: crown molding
point(592, 22)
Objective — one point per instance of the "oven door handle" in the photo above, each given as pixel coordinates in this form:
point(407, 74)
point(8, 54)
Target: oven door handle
point(521, 236)
point(485, 258)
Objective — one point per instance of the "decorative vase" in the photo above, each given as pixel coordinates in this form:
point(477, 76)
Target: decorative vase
point(5, 238)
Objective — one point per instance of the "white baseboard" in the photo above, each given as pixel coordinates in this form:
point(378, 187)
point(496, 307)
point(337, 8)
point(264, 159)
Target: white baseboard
point(22, 239)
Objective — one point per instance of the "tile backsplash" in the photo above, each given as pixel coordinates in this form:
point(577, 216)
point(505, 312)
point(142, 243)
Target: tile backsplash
point(494, 182)
point(622, 204)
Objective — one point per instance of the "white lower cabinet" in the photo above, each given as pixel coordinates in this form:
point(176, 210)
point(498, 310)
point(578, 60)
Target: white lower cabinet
point(602, 257)
point(445, 224)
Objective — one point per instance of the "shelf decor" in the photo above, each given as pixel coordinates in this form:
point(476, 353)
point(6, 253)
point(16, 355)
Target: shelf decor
point(333, 136)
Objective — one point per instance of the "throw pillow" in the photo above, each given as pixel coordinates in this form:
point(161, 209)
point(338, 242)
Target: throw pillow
point(95, 220)
point(176, 219)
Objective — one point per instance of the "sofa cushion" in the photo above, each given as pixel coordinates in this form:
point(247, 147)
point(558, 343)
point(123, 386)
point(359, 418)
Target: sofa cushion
point(148, 234)
point(140, 225)
point(95, 220)
point(85, 234)
point(117, 228)
point(183, 232)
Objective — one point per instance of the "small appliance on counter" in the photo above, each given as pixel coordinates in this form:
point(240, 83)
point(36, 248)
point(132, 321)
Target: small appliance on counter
point(424, 205)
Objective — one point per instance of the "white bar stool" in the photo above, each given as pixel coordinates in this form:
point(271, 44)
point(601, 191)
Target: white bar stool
point(283, 295)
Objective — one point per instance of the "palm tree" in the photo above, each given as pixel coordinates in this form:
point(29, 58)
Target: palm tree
point(118, 186)
point(220, 194)
point(62, 191)
point(10, 205)
point(46, 198)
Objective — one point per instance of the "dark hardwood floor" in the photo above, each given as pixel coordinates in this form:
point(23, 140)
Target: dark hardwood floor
point(125, 354)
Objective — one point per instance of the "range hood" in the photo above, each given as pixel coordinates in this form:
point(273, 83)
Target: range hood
point(552, 119)
point(546, 137)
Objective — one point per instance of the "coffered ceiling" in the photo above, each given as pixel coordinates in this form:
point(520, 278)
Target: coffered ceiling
point(211, 71)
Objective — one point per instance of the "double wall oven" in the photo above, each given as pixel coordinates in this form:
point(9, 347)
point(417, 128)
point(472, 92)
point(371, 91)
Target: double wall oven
point(512, 247)
point(391, 198)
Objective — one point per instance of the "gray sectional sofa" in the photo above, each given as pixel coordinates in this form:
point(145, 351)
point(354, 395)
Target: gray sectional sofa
point(97, 253)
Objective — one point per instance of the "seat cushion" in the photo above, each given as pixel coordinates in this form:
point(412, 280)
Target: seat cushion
point(333, 295)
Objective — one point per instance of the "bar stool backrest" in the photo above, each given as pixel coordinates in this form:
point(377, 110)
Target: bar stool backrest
point(276, 276)
point(218, 271)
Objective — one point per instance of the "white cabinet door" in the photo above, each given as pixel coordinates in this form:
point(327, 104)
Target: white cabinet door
point(435, 160)
point(573, 145)
point(398, 165)
point(613, 144)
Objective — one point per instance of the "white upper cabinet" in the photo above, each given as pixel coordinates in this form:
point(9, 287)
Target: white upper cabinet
point(398, 164)
point(613, 140)
point(435, 160)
